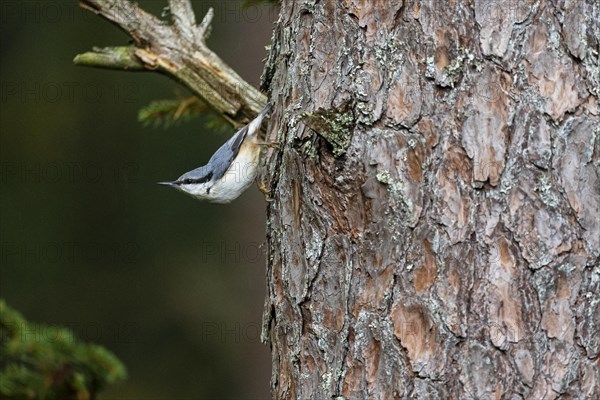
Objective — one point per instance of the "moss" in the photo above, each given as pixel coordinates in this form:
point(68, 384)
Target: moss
point(384, 177)
point(430, 71)
point(335, 126)
point(47, 362)
point(544, 188)
point(396, 188)
point(453, 70)
point(111, 57)
point(449, 75)
point(310, 152)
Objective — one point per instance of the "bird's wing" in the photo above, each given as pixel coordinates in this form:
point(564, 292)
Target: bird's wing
point(221, 160)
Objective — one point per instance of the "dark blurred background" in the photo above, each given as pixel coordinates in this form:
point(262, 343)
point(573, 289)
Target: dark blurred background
point(173, 286)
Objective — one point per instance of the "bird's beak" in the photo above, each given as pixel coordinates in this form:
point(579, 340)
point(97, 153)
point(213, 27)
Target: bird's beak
point(167, 183)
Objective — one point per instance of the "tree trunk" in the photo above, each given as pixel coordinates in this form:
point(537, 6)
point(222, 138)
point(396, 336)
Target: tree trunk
point(433, 230)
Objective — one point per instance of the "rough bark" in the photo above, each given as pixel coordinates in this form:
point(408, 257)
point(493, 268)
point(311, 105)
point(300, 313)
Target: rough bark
point(434, 226)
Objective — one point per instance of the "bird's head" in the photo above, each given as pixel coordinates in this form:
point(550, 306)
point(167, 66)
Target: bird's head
point(196, 182)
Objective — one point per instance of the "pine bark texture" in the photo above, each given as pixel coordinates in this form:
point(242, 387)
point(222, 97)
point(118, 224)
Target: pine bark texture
point(434, 225)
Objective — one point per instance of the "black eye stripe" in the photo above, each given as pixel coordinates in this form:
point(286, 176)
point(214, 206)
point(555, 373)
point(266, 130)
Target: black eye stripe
point(189, 181)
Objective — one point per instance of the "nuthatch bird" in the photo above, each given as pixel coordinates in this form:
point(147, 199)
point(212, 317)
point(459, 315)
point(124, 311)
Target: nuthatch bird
point(230, 171)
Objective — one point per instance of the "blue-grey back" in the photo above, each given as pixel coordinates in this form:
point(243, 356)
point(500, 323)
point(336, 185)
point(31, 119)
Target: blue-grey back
point(224, 156)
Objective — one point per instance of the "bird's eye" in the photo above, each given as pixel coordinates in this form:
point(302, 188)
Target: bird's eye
point(188, 181)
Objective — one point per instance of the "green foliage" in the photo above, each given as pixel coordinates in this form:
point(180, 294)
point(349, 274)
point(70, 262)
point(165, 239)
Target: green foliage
point(47, 362)
point(169, 112)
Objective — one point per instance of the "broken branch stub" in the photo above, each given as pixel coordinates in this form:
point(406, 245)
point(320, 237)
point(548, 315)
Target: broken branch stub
point(179, 51)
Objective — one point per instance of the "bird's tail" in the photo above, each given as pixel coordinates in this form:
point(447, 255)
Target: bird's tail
point(254, 125)
point(265, 111)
